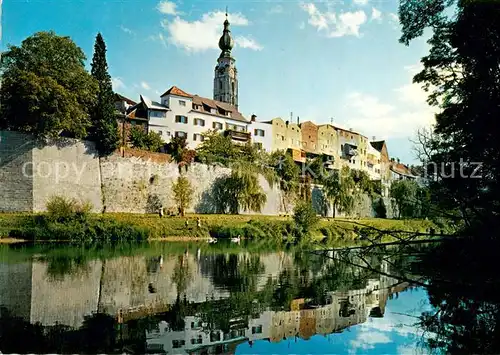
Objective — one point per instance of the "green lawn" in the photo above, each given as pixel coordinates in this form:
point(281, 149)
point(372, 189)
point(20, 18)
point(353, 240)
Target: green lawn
point(175, 226)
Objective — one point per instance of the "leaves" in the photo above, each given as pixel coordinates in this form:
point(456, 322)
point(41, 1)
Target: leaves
point(105, 126)
point(45, 89)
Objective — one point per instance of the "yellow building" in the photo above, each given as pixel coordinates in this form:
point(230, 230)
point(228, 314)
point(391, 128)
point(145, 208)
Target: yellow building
point(328, 143)
point(287, 136)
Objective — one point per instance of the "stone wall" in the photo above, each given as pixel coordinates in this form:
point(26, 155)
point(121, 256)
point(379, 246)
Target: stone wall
point(127, 181)
point(16, 187)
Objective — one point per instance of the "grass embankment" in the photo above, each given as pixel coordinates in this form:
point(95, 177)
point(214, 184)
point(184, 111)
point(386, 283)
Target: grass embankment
point(105, 227)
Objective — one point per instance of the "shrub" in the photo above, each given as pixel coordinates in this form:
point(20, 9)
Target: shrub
point(379, 208)
point(63, 209)
point(305, 217)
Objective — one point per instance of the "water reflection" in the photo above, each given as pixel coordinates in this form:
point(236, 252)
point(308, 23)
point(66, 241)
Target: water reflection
point(192, 301)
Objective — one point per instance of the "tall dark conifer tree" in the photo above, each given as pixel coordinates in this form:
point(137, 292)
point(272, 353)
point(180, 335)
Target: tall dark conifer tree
point(105, 127)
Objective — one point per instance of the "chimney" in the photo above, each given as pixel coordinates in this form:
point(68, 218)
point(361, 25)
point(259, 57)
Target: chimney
point(291, 116)
point(287, 123)
point(398, 160)
point(392, 159)
point(298, 120)
point(350, 129)
point(374, 138)
point(253, 118)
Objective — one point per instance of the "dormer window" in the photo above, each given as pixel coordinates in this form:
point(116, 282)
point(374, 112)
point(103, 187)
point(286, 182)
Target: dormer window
point(182, 103)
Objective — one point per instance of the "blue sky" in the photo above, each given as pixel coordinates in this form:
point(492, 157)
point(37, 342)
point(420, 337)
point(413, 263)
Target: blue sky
point(395, 333)
point(319, 60)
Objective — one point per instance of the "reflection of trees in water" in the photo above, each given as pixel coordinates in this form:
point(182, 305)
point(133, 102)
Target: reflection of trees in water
point(96, 335)
point(464, 292)
point(60, 265)
point(182, 274)
point(236, 273)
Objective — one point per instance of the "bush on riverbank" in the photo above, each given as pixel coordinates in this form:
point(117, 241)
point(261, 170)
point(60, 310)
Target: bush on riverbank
point(68, 220)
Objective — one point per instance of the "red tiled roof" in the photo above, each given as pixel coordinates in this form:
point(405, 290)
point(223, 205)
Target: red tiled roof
point(235, 114)
point(174, 90)
point(401, 169)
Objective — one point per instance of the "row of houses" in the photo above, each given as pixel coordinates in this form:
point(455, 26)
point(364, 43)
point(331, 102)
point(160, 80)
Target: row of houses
point(180, 114)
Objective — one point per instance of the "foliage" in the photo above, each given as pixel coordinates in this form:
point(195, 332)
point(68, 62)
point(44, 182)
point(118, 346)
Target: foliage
point(61, 209)
point(410, 200)
point(255, 229)
point(339, 188)
point(151, 141)
point(305, 217)
point(216, 148)
point(379, 208)
point(462, 74)
point(176, 148)
point(89, 231)
point(105, 126)
point(183, 193)
point(45, 87)
point(241, 189)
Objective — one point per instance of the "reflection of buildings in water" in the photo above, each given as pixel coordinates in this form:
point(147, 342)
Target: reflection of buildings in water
point(343, 310)
point(128, 284)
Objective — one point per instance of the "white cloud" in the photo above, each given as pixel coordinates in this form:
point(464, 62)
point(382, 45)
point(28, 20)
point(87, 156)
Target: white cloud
point(117, 83)
point(159, 38)
point(368, 340)
point(360, 2)
point(399, 118)
point(394, 20)
point(333, 24)
point(167, 7)
point(278, 9)
point(203, 34)
point(126, 30)
point(376, 15)
point(245, 42)
point(145, 85)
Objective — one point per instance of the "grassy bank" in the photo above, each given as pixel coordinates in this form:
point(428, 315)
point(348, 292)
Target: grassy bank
point(174, 228)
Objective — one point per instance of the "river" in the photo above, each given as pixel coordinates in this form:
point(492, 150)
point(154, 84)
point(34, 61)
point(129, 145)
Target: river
point(198, 298)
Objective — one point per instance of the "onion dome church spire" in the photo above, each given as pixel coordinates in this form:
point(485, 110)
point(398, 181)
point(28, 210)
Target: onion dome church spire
point(226, 75)
point(226, 42)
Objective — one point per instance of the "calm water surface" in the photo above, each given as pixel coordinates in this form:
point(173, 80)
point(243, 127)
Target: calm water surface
point(198, 299)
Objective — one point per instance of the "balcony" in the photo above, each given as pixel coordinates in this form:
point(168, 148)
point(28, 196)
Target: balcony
point(237, 135)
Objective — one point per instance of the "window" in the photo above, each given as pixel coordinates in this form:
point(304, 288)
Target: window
point(181, 119)
point(257, 330)
point(217, 125)
point(182, 103)
point(258, 132)
point(198, 340)
point(160, 133)
point(176, 344)
point(258, 145)
point(198, 137)
point(199, 122)
point(159, 114)
point(180, 134)
point(215, 336)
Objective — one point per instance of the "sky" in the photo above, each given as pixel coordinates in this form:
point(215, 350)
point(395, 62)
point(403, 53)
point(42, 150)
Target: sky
point(325, 61)
point(395, 333)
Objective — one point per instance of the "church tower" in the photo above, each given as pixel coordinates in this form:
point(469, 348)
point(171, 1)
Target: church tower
point(226, 75)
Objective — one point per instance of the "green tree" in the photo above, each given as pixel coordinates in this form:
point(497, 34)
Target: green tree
point(151, 141)
point(305, 217)
point(288, 175)
point(45, 89)
point(183, 194)
point(339, 189)
point(216, 148)
point(241, 189)
point(462, 74)
point(176, 148)
point(404, 196)
point(105, 126)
